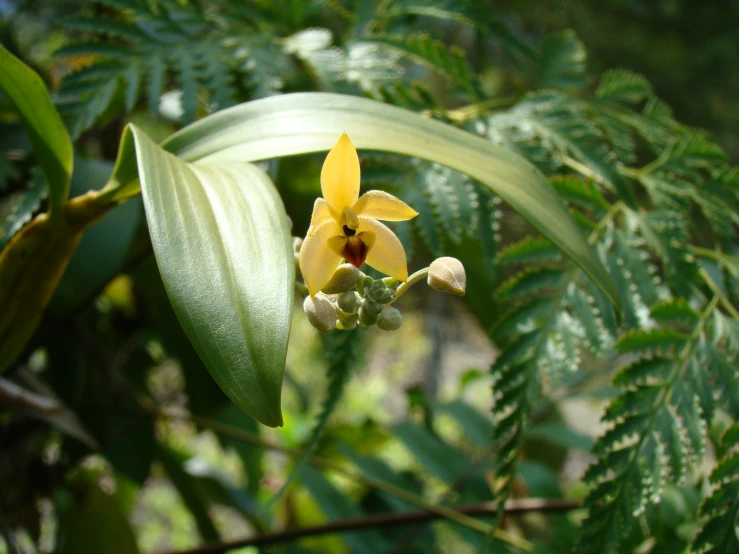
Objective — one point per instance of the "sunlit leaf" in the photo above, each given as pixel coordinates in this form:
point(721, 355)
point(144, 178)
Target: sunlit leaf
point(311, 122)
point(222, 243)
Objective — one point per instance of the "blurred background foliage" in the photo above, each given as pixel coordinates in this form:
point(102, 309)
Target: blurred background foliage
point(121, 441)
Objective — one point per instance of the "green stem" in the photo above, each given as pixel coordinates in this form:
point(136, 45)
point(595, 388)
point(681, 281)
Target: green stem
point(612, 212)
point(582, 169)
point(473, 111)
point(651, 167)
point(725, 302)
point(412, 280)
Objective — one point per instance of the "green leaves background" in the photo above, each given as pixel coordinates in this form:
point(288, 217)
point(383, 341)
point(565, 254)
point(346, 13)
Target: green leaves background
point(493, 162)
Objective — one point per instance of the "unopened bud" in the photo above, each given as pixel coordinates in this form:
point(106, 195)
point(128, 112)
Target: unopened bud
point(390, 319)
point(343, 279)
point(447, 275)
point(365, 318)
point(297, 244)
point(373, 308)
point(379, 292)
point(321, 312)
point(391, 282)
point(364, 283)
point(349, 302)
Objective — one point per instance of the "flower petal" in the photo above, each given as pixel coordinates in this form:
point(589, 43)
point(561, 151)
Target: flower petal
point(386, 254)
point(384, 206)
point(321, 214)
point(340, 175)
point(317, 261)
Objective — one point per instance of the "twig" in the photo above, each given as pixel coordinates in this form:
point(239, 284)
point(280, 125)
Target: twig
point(441, 511)
point(725, 302)
point(513, 507)
point(15, 395)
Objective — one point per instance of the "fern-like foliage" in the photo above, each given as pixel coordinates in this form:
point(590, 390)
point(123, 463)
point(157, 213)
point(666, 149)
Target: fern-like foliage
point(341, 352)
point(17, 207)
point(465, 12)
point(657, 426)
point(448, 61)
point(719, 534)
point(454, 210)
point(213, 58)
point(139, 48)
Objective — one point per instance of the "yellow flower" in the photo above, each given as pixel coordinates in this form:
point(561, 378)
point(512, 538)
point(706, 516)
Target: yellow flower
point(345, 226)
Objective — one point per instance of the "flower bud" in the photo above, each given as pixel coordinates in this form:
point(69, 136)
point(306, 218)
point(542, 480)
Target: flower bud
point(365, 318)
point(343, 279)
point(373, 308)
point(379, 292)
point(389, 319)
point(321, 312)
point(349, 302)
point(297, 244)
point(447, 275)
point(364, 283)
point(391, 282)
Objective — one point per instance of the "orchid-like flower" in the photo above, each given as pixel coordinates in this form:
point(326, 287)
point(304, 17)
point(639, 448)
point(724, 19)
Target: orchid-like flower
point(346, 227)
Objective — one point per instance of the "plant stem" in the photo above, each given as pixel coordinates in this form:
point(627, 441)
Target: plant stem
point(441, 511)
point(412, 280)
point(725, 302)
point(582, 169)
point(615, 208)
point(370, 521)
point(473, 111)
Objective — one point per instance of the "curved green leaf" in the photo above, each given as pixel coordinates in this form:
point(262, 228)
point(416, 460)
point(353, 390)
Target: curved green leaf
point(43, 123)
point(311, 122)
point(222, 243)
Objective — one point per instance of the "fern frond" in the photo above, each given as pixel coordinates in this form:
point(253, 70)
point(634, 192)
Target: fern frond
point(532, 280)
point(719, 534)
point(548, 126)
point(448, 61)
point(579, 192)
point(156, 46)
point(529, 250)
point(562, 61)
point(464, 12)
point(543, 339)
point(652, 343)
point(17, 208)
point(657, 429)
point(341, 353)
point(636, 278)
point(621, 85)
point(415, 97)
point(675, 312)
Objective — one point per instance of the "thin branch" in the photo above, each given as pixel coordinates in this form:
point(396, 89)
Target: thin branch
point(519, 506)
point(17, 396)
point(725, 302)
point(441, 511)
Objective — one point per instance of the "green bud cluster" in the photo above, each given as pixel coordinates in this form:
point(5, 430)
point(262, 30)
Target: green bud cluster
point(352, 299)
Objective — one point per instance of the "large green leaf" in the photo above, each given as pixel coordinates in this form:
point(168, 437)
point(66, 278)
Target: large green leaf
point(222, 243)
point(43, 124)
point(311, 122)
